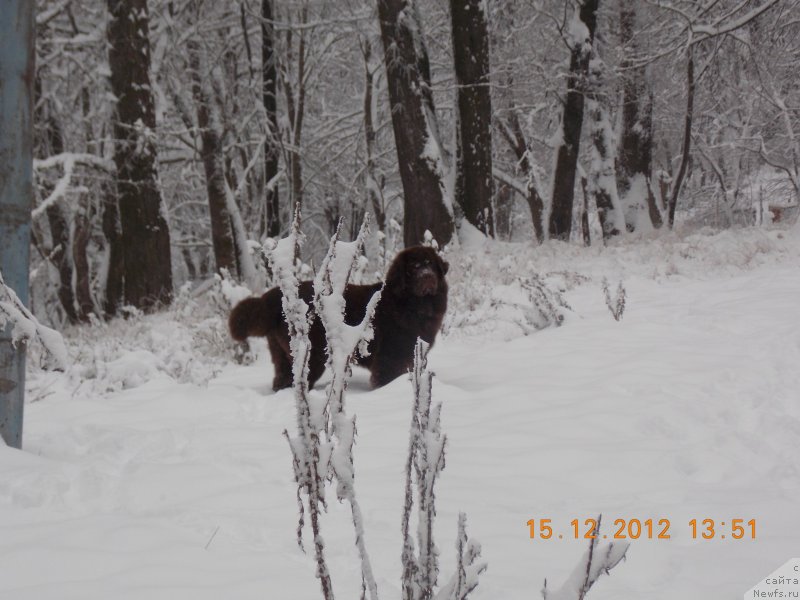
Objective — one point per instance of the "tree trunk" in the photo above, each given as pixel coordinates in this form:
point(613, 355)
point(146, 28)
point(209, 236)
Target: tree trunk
point(373, 188)
point(57, 219)
point(601, 182)
point(145, 235)
point(602, 185)
point(687, 137)
point(295, 107)
point(419, 151)
point(512, 132)
point(269, 97)
point(636, 137)
point(83, 293)
point(473, 181)
point(116, 259)
point(563, 196)
point(213, 163)
point(61, 258)
point(49, 140)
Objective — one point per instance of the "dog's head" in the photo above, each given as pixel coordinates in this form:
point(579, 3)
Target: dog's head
point(417, 271)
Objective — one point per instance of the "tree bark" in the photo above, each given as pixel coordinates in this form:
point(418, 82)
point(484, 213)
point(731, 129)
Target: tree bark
point(419, 151)
point(116, 258)
point(49, 140)
point(563, 197)
point(512, 132)
point(687, 137)
point(83, 292)
point(601, 178)
point(295, 108)
point(374, 188)
point(145, 235)
point(473, 181)
point(269, 97)
point(213, 163)
point(635, 157)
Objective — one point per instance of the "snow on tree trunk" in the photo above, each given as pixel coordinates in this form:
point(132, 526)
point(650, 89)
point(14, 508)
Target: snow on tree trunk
point(635, 158)
point(145, 235)
point(512, 132)
point(473, 176)
point(213, 161)
point(601, 180)
point(427, 202)
point(49, 140)
point(580, 37)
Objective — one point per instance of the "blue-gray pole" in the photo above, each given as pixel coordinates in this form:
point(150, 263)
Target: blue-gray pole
point(17, 37)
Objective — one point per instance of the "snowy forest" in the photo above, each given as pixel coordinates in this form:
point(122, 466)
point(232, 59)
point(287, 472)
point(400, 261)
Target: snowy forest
point(610, 190)
point(526, 120)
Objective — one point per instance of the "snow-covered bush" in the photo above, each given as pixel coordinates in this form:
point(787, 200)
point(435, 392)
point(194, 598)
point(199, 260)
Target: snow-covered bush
point(594, 562)
point(322, 447)
point(426, 460)
point(616, 306)
point(26, 328)
point(188, 342)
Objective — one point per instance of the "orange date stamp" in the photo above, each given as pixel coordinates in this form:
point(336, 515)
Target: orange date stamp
point(649, 529)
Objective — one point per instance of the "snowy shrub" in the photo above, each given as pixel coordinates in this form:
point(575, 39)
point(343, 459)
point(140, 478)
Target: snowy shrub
point(426, 459)
point(310, 452)
point(506, 297)
point(26, 328)
point(546, 302)
point(322, 447)
point(616, 306)
point(594, 562)
point(188, 342)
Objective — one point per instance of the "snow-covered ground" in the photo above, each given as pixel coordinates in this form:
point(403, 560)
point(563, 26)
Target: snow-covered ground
point(157, 468)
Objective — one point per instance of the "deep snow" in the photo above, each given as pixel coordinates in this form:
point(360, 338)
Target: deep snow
point(139, 480)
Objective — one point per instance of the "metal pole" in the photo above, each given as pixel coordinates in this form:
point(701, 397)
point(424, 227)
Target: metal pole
point(17, 38)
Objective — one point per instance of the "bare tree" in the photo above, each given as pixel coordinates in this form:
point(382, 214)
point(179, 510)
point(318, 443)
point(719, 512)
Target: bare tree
point(687, 136)
point(635, 158)
point(213, 158)
point(473, 177)
point(580, 37)
point(269, 98)
point(421, 159)
point(145, 234)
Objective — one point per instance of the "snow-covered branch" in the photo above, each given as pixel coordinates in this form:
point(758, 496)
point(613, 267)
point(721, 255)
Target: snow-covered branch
point(426, 458)
point(343, 340)
point(26, 327)
point(67, 161)
point(595, 561)
point(310, 455)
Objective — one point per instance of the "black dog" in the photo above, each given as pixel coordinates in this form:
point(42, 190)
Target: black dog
point(412, 305)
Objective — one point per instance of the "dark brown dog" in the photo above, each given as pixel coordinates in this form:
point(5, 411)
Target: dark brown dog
point(412, 305)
